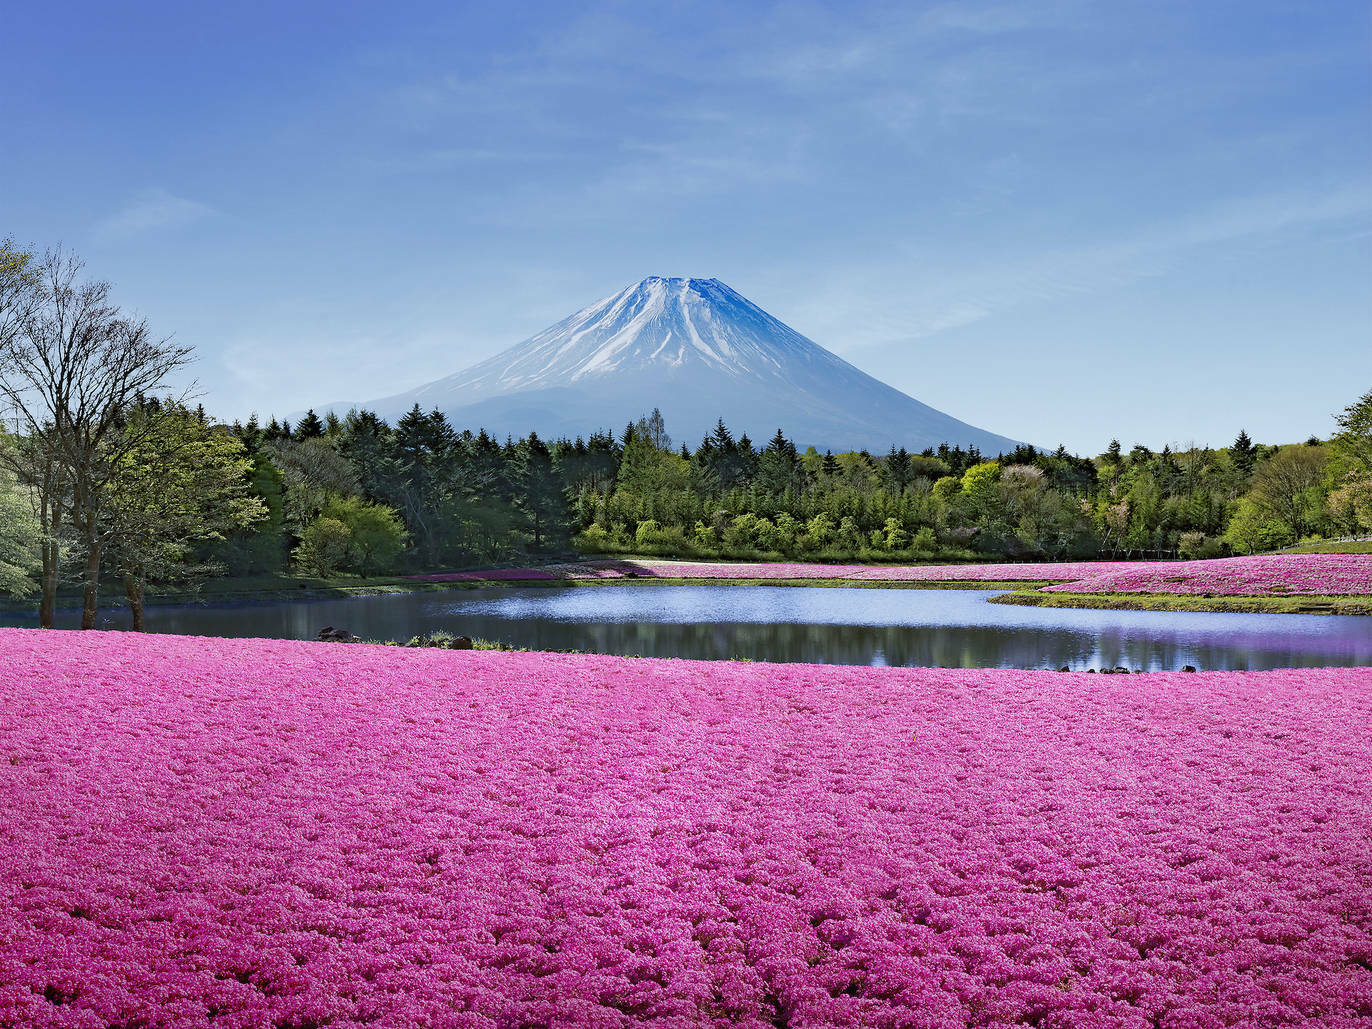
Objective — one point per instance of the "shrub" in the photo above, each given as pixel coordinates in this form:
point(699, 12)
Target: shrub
point(849, 536)
point(767, 536)
point(819, 531)
point(742, 532)
point(1196, 546)
point(947, 487)
point(593, 537)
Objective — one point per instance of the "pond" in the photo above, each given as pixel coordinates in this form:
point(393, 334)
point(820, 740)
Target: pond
point(954, 628)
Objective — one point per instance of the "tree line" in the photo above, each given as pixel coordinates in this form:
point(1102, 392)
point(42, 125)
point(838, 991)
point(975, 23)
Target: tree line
point(106, 471)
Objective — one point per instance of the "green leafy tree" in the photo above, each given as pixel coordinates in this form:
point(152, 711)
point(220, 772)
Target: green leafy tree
point(1288, 488)
point(20, 535)
point(376, 535)
point(181, 482)
point(1354, 438)
point(72, 364)
point(323, 546)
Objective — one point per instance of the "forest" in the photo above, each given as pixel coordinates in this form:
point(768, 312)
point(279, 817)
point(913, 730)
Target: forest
point(447, 498)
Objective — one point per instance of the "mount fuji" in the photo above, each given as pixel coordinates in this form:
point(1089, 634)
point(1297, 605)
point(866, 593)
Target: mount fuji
point(700, 352)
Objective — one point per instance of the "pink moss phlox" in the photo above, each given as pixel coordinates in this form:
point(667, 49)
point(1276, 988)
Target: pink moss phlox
point(1249, 576)
point(255, 833)
point(1278, 574)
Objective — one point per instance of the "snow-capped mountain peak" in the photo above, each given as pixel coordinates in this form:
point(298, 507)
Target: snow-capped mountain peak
point(700, 351)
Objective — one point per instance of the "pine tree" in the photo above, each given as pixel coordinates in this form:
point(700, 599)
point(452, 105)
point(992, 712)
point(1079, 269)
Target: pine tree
point(309, 427)
point(1245, 454)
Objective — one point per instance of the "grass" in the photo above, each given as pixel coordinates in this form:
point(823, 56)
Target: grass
point(1357, 547)
point(1301, 605)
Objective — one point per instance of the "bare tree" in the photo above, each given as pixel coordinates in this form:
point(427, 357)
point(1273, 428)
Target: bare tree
point(70, 367)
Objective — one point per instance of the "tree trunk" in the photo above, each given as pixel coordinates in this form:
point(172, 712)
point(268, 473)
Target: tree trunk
point(48, 602)
point(133, 588)
point(49, 518)
point(92, 593)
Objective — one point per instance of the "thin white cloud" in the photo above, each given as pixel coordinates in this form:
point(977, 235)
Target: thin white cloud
point(151, 211)
point(948, 299)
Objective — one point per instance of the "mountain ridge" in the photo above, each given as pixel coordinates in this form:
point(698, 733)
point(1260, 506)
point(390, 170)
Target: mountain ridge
point(698, 350)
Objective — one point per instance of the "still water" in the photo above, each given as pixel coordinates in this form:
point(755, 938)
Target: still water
point(769, 623)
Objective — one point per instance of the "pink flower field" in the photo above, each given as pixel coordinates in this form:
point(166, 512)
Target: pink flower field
point(1281, 574)
point(1029, 571)
point(272, 833)
point(489, 575)
point(1245, 576)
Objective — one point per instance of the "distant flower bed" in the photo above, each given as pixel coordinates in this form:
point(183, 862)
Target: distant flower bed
point(1025, 571)
point(253, 832)
point(1278, 574)
point(488, 575)
point(614, 569)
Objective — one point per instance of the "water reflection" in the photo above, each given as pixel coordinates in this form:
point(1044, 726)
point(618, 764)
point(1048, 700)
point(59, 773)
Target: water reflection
point(954, 628)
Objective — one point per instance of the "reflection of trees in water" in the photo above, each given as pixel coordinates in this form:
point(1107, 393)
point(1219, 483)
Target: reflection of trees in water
point(955, 647)
point(1263, 645)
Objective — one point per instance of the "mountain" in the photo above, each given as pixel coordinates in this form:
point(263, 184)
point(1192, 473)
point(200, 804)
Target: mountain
point(700, 352)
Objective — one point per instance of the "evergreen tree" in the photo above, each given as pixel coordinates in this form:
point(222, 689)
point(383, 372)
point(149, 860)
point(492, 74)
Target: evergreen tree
point(541, 497)
point(309, 427)
point(1244, 454)
point(251, 434)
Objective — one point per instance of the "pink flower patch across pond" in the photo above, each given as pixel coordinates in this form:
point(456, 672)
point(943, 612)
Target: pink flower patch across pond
point(271, 833)
point(1271, 574)
point(1007, 572)
point(488, 575)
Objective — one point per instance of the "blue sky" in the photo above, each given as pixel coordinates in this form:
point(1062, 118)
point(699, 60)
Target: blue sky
point(1060, 221)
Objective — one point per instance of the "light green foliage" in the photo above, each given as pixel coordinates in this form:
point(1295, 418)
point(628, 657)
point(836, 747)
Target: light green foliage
point(894, 536)
point(1351, 506)
point(593, 537)
point(1354, 438)
point(947, 487)
point(1290, 488)
point(647, 531)
point(978, 482)
point(849, 535)
point(376, 535)
point(323, 546)
point(19, 536)
point(742, 533)
point(313, 471)
point(1253, 530)
point(924, 540)
point(819, 531)
point(180, 482)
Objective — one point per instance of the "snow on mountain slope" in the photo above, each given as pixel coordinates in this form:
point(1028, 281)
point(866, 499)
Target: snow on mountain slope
point(699, 351)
